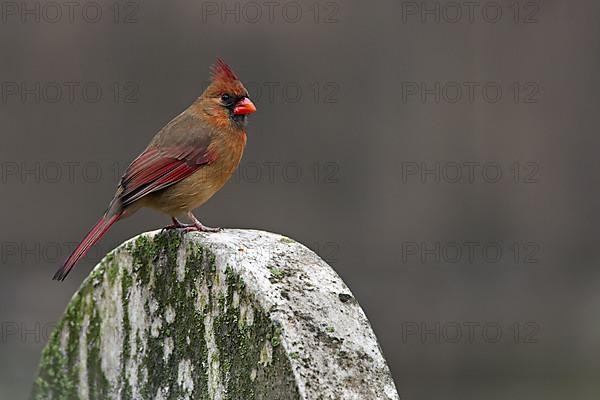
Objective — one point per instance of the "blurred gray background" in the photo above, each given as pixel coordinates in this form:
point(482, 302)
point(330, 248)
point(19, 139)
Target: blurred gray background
point(347, 97)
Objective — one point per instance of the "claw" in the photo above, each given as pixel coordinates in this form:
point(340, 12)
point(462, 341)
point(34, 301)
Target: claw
point(176, 225)
point(198, 225)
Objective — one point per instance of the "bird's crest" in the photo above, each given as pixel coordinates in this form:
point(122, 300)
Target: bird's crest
point(220, 71)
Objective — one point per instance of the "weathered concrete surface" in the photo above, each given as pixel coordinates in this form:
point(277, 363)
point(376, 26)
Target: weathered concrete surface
point(233, 315)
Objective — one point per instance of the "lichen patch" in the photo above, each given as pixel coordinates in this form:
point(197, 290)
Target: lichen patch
point(155, 327)
point(111, 329)
point(181, 262)
point(215, 387)
point(167, 349)
point(185, 371)
point(83, 388)
point(170, 315)
point(266, 354)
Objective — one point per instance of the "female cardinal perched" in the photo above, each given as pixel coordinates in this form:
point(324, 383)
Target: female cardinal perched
point(187, 161)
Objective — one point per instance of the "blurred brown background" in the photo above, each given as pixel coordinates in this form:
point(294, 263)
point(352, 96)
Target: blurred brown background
point(347, 96)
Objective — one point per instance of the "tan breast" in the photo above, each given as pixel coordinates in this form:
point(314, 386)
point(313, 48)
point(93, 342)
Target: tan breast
point(195, 190)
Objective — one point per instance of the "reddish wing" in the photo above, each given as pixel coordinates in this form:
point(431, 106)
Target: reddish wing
point(156, 169)
point(153, 170)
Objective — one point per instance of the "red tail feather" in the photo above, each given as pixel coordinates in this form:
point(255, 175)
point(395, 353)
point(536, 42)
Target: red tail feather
point(90, 239)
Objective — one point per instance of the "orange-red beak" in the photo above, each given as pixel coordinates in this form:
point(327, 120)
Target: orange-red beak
point(244, 107)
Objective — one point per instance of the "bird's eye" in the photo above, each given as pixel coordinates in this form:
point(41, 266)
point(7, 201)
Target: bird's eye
point(226, 98)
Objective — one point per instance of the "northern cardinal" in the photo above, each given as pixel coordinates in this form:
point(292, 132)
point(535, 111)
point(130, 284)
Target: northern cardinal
point(187, 161)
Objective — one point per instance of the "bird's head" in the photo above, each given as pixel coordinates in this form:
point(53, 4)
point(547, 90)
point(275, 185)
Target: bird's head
point(226, 98)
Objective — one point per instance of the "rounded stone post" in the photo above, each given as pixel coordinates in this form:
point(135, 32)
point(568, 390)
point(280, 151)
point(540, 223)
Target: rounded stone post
point(232, 315)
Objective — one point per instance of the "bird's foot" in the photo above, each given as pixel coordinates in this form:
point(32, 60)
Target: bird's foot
point(199, 226)
point(177, 225)
point(196, 226)
point(204, 228)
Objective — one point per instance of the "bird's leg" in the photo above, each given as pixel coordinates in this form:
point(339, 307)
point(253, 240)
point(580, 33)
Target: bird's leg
point(198, 225)
point(177, 225)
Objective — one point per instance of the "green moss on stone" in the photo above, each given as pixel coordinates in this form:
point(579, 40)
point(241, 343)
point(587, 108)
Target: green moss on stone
point(97, 382)
point(180, 297)
point(53, 380)
point(276, 338)
point(126, 283)
point(154, 269)
point(112, 269)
